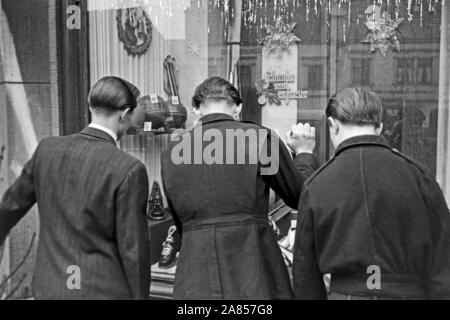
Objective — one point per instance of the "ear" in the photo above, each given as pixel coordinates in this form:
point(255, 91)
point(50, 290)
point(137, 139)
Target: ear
point(238, 110)
point(124, 113)
point(197, 112)
point(379, 130)
point(334, 125)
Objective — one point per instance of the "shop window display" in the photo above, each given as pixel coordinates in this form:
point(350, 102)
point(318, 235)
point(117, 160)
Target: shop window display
point(287, 58)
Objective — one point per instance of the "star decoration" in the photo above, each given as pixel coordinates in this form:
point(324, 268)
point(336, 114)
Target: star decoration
point(382, 34)
point(194, 48)
point(280, 37)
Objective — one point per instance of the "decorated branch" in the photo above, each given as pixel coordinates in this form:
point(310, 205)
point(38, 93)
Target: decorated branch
point(6, 293)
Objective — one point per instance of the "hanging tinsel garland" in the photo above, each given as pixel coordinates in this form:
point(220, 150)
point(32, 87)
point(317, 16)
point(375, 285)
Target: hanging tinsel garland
point(264, 12)
point(268, 11)
point(382, 29)
point(260, 14)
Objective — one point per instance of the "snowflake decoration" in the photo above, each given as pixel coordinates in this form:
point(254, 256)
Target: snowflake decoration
point(382, 34)
point(194, 49)
point(280, 37)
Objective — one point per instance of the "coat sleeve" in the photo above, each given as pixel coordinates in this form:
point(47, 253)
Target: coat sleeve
point(307, 278)
point(438, 278)
point(132, 231)
point(17, 200)
point(285, 177)
point(306, 164)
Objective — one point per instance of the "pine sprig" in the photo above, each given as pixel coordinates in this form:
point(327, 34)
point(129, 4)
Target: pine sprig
point(4, 295)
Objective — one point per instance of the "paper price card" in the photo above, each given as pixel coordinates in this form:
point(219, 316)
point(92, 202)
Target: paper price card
point(147, 126)
point(153, 98)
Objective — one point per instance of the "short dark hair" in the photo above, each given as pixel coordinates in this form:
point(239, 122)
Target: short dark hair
point(111, 94)
point(218, 89)
point(356, 106)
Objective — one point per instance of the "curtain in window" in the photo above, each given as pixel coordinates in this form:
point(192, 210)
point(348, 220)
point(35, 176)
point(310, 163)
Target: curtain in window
point(108, 57)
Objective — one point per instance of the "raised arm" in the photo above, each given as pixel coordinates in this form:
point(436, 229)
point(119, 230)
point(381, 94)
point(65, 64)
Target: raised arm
point(306, 164)
point(17, 200)
point(302, 141)
point(287, 176)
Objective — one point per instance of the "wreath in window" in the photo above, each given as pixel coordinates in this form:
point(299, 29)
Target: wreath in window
point(135, 30)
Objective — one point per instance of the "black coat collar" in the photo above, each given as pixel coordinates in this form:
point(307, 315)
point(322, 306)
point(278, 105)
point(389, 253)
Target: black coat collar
point(98, 134)
point(366, 140)
point(215, 117)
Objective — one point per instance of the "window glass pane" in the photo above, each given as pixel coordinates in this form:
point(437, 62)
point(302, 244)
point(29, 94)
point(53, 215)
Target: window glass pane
point(295, 71)
point(286, 58)
point(406, 79)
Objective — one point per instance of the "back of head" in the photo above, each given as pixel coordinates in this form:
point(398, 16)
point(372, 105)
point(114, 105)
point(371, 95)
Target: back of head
point(356, 106)
point(112, 94)
point(216, 89)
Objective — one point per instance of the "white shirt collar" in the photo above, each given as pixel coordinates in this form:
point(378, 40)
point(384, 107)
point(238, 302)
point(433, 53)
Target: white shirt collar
point(104, 129)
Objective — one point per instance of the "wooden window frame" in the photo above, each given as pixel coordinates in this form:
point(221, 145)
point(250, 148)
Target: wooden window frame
point(73, 69)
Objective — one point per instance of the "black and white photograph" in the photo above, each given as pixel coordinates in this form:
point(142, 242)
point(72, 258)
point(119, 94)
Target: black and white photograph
point(240, 151)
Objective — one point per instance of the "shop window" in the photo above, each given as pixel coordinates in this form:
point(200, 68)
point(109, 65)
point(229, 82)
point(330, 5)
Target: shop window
point(315, 77)
point(415, 71)
point(405, 71)
point(425, 71)
point(326, 47)
point(360, 71)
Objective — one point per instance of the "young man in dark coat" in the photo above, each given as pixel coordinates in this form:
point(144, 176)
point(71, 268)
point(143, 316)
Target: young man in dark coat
point(219, 197)
point(373, 218)
point(92, 197)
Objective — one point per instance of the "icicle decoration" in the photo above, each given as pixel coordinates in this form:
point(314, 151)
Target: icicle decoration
point(258, 14)
point(410, 15)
